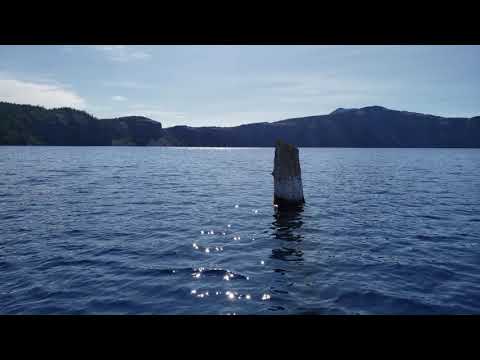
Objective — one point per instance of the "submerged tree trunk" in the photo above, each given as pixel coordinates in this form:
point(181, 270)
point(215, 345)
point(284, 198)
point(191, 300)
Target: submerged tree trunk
point(288, 188)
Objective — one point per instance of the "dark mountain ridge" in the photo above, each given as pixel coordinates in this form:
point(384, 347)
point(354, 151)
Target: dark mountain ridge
point(372, 126)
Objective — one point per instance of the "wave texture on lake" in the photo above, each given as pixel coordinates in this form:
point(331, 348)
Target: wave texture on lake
point(137, 230)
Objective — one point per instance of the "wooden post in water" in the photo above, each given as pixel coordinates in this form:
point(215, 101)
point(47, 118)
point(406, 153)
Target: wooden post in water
point(287, 176)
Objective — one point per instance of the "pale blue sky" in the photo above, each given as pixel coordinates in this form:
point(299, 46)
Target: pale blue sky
point(231, 85)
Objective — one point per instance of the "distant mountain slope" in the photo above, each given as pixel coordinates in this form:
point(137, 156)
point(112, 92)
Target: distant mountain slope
point(372, 126)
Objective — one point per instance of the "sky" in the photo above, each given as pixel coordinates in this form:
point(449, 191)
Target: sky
point(232, 85)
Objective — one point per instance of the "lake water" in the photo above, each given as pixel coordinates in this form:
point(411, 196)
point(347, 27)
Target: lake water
point(142, 230)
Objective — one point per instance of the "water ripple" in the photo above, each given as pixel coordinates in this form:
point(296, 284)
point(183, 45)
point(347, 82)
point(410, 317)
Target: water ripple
point(193, 231)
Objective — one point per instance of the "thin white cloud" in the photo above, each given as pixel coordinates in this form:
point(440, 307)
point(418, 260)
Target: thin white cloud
point(126, 84)
point(119, 98)
point(298, 94)
point(47, 94)
point(122, 53)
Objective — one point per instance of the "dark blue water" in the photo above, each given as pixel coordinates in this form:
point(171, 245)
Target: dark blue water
point(134, 230)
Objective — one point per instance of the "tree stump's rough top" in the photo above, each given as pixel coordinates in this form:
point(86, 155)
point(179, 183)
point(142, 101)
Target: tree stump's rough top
point(288, 188)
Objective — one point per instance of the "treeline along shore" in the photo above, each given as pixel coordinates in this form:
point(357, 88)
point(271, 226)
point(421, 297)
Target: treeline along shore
point(372, 126)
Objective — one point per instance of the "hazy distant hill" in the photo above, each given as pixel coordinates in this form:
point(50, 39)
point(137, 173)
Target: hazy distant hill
point(372, 126)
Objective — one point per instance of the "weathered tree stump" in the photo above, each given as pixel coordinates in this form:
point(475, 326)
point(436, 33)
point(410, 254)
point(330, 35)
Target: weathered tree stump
point(288, 188)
